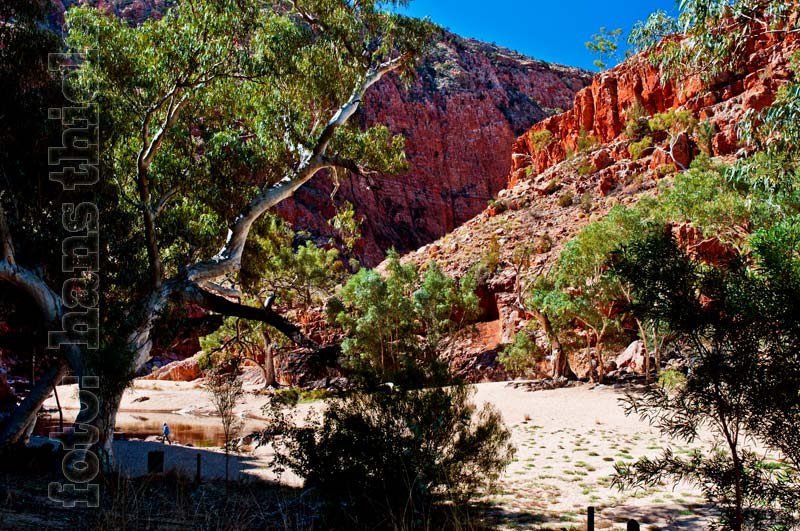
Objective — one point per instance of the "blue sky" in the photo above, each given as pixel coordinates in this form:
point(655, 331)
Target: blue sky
point(551, 30)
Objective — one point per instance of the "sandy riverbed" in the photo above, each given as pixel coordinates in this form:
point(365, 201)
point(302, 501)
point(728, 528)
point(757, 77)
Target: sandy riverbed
point(567, 440)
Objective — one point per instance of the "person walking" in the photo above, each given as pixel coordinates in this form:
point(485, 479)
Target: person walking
point(165, 432)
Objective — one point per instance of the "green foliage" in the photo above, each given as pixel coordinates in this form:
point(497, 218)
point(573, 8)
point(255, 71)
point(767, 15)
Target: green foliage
point(580, 289)
point(292, 396)
point(638, 149)
point(715, 33)
point(395, 459)
point(297, 273)
point(522, 355)
point(706, 130)
point(552, 186)
point(566, 199)
point(396, 325)
point(666, 169)
point(604, 45)
point(637, 121)
point(671, 379)
point(540, 139)
point(771, 173)
point(490, 260)
point(195, 129)
point(347, 225)
point(498, 205)
point(31, 202)
point(735, 343)
point(702, 196)
point(586, 142)
point(673, 121)
point(585, 169)
point(543, 244)
point(586, 202)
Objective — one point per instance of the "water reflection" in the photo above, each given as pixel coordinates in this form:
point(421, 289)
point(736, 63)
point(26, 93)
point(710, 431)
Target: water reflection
point(181, 430)
point(202, 434)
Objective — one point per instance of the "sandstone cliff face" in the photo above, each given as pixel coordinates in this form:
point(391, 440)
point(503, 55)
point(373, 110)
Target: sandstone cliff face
point(460, 117)
point(601, 108)
point(532, 210)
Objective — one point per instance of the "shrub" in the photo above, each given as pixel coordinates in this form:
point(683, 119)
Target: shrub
point(636, 121)
point(585, 169)
point(395, 459)
point(522, 355)
point(705, 136)
point(671, 379)
point(540, 139)
point(586, 141)
point(498, 205)
point(673, 120)
point(543, 244)
point(566, 199)
point(638, 149)
point(385, 318)
point(666, 169)
point(586, 202)
point(491, 257)
point(552, 186)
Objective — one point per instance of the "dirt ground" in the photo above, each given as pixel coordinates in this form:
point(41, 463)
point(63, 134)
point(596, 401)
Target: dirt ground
point(567, 441)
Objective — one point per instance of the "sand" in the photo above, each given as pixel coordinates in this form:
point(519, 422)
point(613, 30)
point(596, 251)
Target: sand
point(567, 441)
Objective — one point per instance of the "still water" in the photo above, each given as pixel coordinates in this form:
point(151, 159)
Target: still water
point(204, 433)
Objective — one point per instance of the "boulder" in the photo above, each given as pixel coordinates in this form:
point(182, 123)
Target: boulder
point(602, 160)
point(178, 371)
point(632, 357)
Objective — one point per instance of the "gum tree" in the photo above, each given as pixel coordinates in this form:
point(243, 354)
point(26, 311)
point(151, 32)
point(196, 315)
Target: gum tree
point(210, 116)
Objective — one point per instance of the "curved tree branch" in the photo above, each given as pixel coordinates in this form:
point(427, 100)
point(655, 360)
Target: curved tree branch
point(216, 303)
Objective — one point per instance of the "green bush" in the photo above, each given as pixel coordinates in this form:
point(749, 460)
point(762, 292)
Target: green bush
point(543, 244)
point(540, 139)
point(498, 205)
point(396, 459)
point(566, 199)
point(705, 136)
point(586, 202)
point(671, 379)
point(636, 121)
point(586, 141)
point(673, 120)
point(522, 355)
point(638, 149)
point(552, 186)
point(585, 169)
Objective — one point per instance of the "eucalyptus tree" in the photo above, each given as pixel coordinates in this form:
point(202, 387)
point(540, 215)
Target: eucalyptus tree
point(211, 115)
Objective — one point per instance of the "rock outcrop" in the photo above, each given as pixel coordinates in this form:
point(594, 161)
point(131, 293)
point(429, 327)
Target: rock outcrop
point(178, 371)
point(556, 186)
point(600, 110)
point(460, 117)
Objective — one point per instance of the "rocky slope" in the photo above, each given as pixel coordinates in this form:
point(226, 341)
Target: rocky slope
point(600, 110)
point(598, 174)
point(460, 117)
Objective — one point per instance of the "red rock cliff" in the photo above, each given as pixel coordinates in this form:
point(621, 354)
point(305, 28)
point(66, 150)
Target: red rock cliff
point(460, 117)
point(600, 109)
